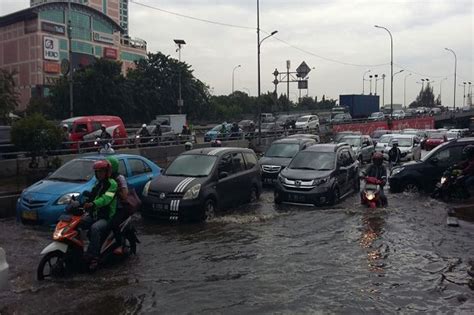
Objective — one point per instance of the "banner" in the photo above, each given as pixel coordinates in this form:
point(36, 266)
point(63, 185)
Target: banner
point(51, 48)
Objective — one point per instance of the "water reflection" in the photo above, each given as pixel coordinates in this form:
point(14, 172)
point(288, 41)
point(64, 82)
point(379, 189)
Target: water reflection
point(372, 229)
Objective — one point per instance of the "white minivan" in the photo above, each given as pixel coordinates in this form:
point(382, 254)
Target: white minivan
point(307, 122)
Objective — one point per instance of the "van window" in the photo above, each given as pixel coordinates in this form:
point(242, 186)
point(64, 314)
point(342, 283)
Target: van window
point(238, 161)
point(96, 125)
point(138, 167)
point(122, 170)
point(251, 160)
point(80, 128)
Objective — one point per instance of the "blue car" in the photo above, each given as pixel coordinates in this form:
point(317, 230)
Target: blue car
point(215, 133)
point(43, 202)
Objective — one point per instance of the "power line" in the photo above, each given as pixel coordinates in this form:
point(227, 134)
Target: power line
point(192, 17)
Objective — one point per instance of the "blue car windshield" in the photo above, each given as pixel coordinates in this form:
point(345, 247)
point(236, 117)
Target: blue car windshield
point(78, 170)
point(192, 165)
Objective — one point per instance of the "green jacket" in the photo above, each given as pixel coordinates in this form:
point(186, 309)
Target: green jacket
point(105, 200)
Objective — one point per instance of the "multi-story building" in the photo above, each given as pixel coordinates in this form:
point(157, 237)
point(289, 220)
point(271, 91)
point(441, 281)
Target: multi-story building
point(34, 42)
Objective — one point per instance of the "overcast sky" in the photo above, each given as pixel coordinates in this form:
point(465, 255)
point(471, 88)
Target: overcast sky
point(321, 31)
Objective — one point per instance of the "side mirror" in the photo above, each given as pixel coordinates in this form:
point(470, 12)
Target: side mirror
point(434, 160)
point(223, 175)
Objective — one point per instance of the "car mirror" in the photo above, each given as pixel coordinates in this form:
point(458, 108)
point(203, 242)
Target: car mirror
point(223, 175)
point(434, 160)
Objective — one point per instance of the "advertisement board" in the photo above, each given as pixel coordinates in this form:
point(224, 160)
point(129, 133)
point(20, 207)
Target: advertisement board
point(103, 37)
point(53, 28)
point(50, 48)
point(51, 67)
point(110, 53)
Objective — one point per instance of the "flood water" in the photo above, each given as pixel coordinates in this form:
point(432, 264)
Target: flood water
point(263, 258)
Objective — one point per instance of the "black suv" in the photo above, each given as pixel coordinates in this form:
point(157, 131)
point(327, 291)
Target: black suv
point(279, 155)
point(199, 181)
point(424, 174)
point(320, 174)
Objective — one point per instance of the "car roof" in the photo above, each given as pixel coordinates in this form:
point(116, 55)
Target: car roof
point(327, 147)
point(291, 140)
point(95, 156)
point(403, 136)
point(216, 151)
point(306, 116)
point(353, 136)
point(91, 118)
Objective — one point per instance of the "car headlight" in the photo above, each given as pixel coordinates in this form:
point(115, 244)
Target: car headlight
point(65, 199)
point(443, 180)
point(397, 170)
point(146, 188)
point(192, 192)
point(320, 181)
point(281, 178)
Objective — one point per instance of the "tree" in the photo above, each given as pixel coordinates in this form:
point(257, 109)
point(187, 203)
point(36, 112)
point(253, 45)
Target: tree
point(8, 94)
point(36, 135)
point(39, 105)
point(425, 98)
point(438, 100)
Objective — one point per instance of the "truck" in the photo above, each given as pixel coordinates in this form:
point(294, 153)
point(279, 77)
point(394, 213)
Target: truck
point(360, 106)
point(175, 121)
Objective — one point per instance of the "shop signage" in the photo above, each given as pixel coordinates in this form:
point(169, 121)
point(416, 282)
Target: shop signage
point(53, 28)
point(51, 48)
point(110, 53)
point(50, 80)
point(103, 37)
point(51, 67)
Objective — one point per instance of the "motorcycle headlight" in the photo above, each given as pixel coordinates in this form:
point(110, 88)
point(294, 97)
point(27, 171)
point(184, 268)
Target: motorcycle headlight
point(192, 192)
point(146, 188)
point(65, 199)
point(397, 170)
point(58, 233)
point(443, 180)
point(370, 196)
point(320, 181)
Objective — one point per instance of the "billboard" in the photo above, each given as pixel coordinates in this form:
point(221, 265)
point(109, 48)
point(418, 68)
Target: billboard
point(50, 48)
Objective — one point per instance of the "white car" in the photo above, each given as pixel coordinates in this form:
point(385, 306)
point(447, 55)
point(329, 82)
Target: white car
point(3, 270)
point(307, 122)
point(398, 114)
point(452, 135)
point(377, 116)
point(409, 147)
point(382, 143)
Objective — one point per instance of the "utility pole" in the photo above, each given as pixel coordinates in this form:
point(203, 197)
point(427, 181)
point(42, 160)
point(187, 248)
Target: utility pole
point(288, 65)
point(71, 67)
point(455, 75)
point(383, 90)
point(233, 73)
point(370, 79)
point(376, 80)
point(363, 81)
point(391, 68)
point(405, 90)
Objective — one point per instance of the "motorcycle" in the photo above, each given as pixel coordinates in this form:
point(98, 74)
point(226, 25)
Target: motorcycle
point(104, 146)
point(450, 186)
point(370, 195)
point(66, 253)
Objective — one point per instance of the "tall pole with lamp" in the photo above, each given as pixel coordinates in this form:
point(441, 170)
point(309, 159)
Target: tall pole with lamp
point(363, 81)
point(233, 73)
point(71, 68)
point(180, 43)
point(259, 43)
point(398, 72)
point(391, 68)
point(405, 90)
point(455, 75)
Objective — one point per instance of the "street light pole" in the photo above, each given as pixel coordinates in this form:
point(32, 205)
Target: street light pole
point(370, 79)
point(180, 43)
point(376, 80)
point(233, 72)
point(405, 90)
point(464, 94)
point(363, 81)
point(397, 73)
point(455, 70)
point(259, 43)
point(391, 68)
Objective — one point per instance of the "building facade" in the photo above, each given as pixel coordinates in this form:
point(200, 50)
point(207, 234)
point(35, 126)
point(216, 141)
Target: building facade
point(34, 42)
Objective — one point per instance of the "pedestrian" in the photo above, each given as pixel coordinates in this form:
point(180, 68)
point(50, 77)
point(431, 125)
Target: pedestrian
point(394, 154)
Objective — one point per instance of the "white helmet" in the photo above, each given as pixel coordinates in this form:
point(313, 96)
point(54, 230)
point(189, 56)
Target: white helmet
point(65, 126)
point(144, 126)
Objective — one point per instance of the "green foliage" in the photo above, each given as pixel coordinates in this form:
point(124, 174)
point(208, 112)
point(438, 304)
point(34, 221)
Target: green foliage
point(39, 105)
point(35, 134)
point(8, 95)
point(425, 98)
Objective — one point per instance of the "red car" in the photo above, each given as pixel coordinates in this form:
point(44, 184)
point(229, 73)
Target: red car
point(435, 140)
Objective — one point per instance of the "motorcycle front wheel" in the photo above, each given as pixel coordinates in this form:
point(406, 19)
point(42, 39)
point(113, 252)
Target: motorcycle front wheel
point(52, 265)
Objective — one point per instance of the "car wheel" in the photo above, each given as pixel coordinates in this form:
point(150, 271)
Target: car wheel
point(254, 194)
point(335, 197)
point(209, 210)
point(411, 186)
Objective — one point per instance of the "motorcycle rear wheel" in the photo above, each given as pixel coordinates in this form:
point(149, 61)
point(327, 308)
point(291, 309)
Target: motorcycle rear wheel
point(52, 265)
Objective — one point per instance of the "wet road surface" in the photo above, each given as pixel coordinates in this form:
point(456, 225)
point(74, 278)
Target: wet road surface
point(263, 258)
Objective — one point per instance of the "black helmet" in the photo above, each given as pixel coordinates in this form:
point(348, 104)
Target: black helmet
point(377, 158)
point(468, 151)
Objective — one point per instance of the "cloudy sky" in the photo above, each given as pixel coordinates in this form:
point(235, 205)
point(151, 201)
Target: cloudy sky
point(336, 37)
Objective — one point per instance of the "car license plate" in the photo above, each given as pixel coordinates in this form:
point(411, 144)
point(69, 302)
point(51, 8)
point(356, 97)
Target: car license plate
point(269, 180)
point(29, 215)
point(296, 198)
point(161, 206)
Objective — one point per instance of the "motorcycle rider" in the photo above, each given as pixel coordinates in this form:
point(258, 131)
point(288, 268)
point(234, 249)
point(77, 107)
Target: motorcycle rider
point(216, 143)
point(378, 170)
point(234, 131)
point(122, 192)
point(144, 133)
point(394, 154)
point(102, 209)
point(188, 146)
point(467, 166)
point(104, 135)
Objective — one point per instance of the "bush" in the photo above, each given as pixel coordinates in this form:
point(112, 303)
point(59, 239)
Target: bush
point(36, 135)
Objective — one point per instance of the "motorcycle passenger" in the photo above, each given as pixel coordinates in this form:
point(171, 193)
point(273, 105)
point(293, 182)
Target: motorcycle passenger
point(394, 154)
point(378, 170)
point(104, 135)
point(234, 130)
point(188, 146)
point(216, 143)
point(467, 166)
point(122, 192)
point(144, 134)
point(102, 209)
